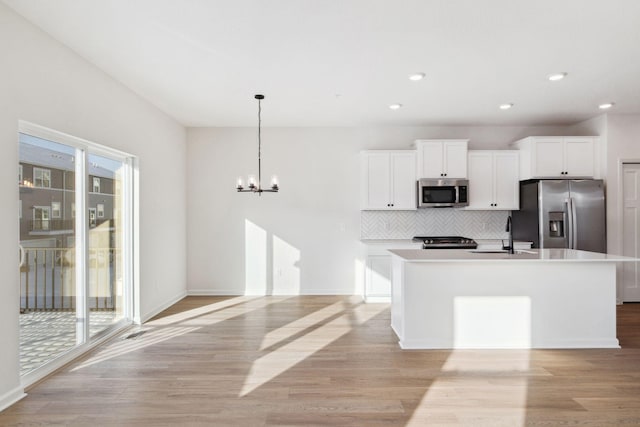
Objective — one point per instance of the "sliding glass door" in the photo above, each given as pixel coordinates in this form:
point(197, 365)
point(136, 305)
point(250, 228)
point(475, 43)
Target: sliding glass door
point(75, 246)
point(106, 268)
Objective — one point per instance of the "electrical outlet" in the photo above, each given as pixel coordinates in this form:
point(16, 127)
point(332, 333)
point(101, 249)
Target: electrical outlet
point(387, 225)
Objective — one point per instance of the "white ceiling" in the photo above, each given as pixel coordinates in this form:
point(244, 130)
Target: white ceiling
point(342, 62)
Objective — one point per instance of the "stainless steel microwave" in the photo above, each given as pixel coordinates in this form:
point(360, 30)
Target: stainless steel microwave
point(443, 193)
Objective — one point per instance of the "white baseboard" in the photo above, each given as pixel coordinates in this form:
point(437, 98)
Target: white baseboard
point(233, 292)
point(11, 397)
point(150, 314)
point(213, 292)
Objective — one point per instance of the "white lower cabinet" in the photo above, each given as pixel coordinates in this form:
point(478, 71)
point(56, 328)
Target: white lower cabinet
point(377, 277)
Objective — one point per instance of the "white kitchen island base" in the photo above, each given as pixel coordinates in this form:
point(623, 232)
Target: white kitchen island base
point(534, 300)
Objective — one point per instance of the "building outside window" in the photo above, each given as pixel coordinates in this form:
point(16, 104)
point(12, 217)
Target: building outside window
point(73, 210)
point(96, 184)
point(41, 178)
point(100, 210)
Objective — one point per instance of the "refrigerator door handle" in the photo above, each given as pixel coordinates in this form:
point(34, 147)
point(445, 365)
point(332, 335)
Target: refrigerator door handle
point(572, 233)
point(570, 217)
point(574, 225)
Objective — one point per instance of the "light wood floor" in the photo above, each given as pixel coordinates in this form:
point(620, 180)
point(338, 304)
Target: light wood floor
point(327, 361)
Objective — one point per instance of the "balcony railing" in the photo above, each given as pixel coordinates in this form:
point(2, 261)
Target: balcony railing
point(47, 279)
point(51, 224)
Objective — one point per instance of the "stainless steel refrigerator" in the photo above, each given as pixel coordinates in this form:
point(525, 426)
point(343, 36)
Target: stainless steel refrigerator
point(562, 214)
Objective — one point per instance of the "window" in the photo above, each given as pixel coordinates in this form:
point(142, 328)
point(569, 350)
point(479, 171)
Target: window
point(92, 217)
point(96, 184)
point(73, 210)
point(19, 174)
point(41, 217)
point(41, 178)
point(100, 210)
point(55, 209)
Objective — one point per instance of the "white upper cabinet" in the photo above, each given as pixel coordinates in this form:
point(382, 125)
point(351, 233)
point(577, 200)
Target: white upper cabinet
point(493, 180)
point(388, 180)
point(440, 158)
point(558, 157)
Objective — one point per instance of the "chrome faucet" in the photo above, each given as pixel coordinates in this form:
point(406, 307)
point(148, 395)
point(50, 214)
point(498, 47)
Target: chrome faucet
point(509, 229)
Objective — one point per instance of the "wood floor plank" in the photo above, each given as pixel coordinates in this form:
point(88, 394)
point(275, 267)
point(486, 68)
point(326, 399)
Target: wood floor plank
point(331, 361)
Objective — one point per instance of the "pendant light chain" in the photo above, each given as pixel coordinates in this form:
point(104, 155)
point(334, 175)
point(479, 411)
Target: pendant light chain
point(259, 143)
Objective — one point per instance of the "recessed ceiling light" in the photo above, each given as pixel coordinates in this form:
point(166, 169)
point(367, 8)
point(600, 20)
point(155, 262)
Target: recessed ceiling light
point(557, 76)
point(395, 106)
point(606, 105)
point(417, 76)
point(505, 106)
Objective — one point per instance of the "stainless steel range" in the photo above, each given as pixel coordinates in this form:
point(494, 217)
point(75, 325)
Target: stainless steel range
point(446, 242)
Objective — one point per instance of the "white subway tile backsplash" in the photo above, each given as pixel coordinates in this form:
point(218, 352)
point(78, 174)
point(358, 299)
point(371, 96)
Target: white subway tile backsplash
point(433, 222)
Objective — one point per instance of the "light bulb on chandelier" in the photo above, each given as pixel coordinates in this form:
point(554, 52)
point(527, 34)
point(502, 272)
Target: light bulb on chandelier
point(254, 186)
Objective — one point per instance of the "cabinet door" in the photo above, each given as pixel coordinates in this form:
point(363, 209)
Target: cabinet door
point(579, 157)
point(455, 159)
point(549, 158)
point(403, 181)
point(378, 276)
point(506, 180)
point(376, 189)
point(480, 180)
point(431, 157)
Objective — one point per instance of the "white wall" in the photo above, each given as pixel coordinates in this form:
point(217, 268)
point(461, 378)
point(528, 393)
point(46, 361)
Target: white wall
point(304, 239)
point(623, 144)
point(45, 83)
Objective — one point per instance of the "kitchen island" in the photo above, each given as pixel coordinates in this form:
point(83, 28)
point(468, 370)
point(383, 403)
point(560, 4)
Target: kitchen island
point(538, 298)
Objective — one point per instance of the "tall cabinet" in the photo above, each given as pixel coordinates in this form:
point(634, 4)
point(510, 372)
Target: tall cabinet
point(388, 180)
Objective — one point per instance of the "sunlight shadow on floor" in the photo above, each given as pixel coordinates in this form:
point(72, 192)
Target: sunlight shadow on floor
point(276, 362)
point(478, 387)
point(290, 329)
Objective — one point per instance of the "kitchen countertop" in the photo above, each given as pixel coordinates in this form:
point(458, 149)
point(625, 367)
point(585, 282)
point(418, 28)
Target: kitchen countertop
point(528, 255)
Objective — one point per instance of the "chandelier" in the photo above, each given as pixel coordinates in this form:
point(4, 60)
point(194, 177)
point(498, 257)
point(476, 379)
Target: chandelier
point(254, 186)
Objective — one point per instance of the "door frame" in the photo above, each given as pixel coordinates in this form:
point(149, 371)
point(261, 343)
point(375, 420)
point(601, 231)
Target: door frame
point(130, 241)
point(620, 225)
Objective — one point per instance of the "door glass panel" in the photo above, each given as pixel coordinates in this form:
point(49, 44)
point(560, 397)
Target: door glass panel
point(47, 255)
point(106, 266)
